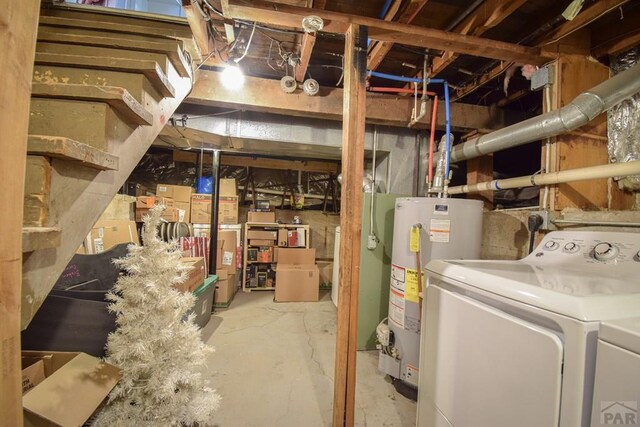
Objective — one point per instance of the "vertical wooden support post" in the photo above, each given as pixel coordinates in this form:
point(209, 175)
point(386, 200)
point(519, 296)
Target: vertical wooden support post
point(353, 131)
point(480, 169)
point(18, 29)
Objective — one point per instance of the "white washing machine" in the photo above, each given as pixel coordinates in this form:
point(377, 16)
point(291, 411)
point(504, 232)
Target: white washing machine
point(616, 395)
point(513, 343)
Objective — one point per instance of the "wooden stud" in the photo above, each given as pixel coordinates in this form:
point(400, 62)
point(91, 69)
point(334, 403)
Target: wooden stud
point(308, 40)
point(480, 169)
point(18, 28)
point(412, 35)
point(353, 133)
point(36, 191)
point(579, 148)
point(228, 28)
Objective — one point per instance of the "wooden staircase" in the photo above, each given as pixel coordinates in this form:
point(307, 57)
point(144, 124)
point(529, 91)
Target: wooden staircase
point(104, 85)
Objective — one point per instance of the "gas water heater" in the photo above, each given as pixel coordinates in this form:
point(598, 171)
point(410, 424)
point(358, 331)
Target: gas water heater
point(424, 229)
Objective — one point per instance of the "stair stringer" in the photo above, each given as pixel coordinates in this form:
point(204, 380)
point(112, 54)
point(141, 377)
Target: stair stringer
point(82, 194)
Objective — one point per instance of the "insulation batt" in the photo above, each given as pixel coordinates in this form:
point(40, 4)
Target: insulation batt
point(623, 123)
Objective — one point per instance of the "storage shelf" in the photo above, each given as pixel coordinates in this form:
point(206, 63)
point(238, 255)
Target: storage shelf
point(267, 226)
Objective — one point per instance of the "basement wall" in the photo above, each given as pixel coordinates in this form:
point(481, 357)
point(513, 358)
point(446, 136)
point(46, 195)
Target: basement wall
point(397, 147)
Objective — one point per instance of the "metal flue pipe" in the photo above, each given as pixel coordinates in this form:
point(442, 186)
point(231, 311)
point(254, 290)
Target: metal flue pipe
point(552, 178)
point(584, 108)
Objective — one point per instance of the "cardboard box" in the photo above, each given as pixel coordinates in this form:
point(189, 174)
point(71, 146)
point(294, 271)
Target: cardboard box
point(228, 210)
point(196, 275)
point(184, 209)
point(106, 234)
point(297, 276)
point(201, 208)
point(121, 208)
point(259, 242)
point(228, 187)
point(147, 202)
point(169, 214)
point(178, 193)
point(227, 250)
point(74, 385)
point(264, 217)
point(262, 234)
point(283, 238)
point(225, 287)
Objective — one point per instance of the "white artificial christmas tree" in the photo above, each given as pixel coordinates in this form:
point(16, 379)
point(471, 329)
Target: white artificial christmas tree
point(159, 352)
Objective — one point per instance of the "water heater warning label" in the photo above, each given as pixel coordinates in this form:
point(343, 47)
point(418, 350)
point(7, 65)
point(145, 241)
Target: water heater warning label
point(439, 230)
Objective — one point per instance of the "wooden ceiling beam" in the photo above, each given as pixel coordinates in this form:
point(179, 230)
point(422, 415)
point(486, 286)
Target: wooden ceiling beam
point(265, 95)
point(380, 50)
point(489, 14)
point(412, 35)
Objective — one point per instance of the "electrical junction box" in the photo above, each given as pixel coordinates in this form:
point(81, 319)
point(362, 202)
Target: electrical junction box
point(541, 78)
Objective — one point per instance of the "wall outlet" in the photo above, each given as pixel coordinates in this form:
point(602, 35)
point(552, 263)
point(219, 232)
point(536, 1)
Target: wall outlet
point(372, 242)
point(547, 220)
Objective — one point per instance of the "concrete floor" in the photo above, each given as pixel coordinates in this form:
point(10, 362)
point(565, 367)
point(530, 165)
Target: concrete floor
point(274, 364)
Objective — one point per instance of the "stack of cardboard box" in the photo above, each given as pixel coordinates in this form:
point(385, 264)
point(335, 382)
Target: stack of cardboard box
point(106, 234)
point(176, 198)
point(227, 264)
point(227, 205)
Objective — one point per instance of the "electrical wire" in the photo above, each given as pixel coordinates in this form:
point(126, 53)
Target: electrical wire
point(246, 49)
point(213, 114)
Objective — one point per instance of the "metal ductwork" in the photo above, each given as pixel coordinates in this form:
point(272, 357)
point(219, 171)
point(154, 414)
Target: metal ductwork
point(584, 108)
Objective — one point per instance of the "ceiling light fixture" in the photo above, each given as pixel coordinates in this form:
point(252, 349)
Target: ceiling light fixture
point(232, 77)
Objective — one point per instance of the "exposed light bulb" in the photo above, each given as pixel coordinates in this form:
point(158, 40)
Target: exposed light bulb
point(232, 77)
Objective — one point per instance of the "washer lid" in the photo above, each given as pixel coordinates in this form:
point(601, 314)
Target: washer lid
point(584, 292)
point(623, 333)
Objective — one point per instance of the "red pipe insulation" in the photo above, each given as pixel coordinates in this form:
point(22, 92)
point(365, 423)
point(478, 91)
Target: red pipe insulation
point(434, 114)
point(398, 90)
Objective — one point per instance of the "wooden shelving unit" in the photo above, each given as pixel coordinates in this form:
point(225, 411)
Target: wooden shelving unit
point(247, 286)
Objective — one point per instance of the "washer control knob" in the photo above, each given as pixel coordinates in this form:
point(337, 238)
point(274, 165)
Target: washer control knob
point(638, 256)
point(605, 251)
point(571, 247)
point(551, 245)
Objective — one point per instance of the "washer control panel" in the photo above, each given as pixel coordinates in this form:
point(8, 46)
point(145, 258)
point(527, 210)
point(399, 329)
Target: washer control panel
point(590, 247)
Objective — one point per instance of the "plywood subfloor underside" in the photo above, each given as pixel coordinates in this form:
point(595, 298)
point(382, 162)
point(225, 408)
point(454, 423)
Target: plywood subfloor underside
point(274, 363)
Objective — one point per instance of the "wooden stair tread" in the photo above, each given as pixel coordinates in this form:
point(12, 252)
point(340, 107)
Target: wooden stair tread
point(67, 148)
point(37, 238)
point(170, 47)
point(117, 27)
point(118, 98)
point(150, 69)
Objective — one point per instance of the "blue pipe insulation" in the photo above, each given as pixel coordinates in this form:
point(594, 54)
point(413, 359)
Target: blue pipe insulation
point(448, 128)
point(394, 77)
point(385, 9)
point(446, 105)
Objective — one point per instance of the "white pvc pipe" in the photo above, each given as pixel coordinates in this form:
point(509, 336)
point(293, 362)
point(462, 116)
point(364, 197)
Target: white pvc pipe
point(581, 174)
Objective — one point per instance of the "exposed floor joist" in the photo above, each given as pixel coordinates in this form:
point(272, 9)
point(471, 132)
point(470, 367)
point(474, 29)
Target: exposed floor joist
point(380, 50)
point(489, 14)
point(584, 18)
point(264, 95)
point(291, 16)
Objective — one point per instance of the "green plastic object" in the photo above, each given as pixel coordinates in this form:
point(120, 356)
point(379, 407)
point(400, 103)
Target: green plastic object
point(208, 281)
point(375, 268)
